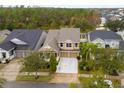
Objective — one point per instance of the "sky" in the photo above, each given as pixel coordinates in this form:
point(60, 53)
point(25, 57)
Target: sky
point(66, 3)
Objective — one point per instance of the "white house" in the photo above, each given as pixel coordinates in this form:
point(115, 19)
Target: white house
point(6, 52)
point(121, 33)
point(104, 39)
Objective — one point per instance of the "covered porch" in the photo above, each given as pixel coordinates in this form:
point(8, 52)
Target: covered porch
point(6, 56)
point(47, 53)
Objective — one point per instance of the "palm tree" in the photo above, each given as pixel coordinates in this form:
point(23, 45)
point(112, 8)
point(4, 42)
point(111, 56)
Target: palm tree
point(88, 50)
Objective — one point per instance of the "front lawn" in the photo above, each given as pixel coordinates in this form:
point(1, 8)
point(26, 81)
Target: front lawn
point(2, 82)
point(40, 70)
point(73, 85)
point(45, 67)
point(86, 81)
point(32, 78)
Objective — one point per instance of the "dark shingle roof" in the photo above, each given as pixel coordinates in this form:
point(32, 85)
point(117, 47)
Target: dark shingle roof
point(7, 46)
point(72, 34)
point(31, 37)
point(103, 35)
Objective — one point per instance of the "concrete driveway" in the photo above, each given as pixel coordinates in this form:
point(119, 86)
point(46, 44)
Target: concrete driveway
point(11, 70)
point(67, 65)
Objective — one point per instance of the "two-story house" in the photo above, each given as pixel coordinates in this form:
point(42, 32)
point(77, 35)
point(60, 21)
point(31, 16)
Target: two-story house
point(62, 43)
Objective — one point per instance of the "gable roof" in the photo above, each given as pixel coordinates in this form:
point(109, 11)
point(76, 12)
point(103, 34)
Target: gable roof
point(28, 36)
point(57, 36)
point(7, 46)
point(51, 40)
point(103, 35)
point(72, 34)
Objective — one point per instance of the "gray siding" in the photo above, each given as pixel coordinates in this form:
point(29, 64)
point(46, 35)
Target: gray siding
point(22, 53)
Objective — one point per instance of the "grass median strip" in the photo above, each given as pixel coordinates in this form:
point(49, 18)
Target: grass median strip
point(32, 78)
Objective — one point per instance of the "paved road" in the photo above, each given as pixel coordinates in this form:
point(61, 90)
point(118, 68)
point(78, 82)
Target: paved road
point(22, 84)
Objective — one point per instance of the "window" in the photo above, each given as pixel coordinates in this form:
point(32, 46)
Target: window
point(107, 46)
point(76, 44)
point(11, 52)
point(68, 45)
point(61, 44)
point(4, 55)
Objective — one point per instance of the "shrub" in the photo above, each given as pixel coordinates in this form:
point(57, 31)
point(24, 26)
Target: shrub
point(53, 64)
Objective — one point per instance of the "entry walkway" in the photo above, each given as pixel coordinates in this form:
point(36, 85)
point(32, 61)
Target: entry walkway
point(67, 65)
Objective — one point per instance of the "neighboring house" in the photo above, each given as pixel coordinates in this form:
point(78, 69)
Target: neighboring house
point(62, 43)
point(20, 43)
point(101, 25)
point(104, 39)
point(121, 46)
point(121, 33)
point(83, 37)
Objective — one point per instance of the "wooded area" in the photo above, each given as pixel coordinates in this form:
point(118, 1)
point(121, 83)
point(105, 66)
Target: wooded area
point(48, 18)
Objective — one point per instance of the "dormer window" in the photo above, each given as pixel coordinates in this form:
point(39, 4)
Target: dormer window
point(68, 45)
point(61, 44)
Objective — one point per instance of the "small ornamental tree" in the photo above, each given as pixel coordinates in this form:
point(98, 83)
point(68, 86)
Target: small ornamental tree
point(53, 64)
point(32, 63)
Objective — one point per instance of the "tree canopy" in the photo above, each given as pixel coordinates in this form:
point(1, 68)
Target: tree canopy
point(93, 58)
point(48, 18)
point(116, 25)
point(32, 63)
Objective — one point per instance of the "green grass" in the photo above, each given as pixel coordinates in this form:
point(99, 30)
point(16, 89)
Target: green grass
point(41, 70)
point(85, 81)
point(116, 83)
point(73, 85)
point(32, 78)
point(84, 72)
point(2, 82)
